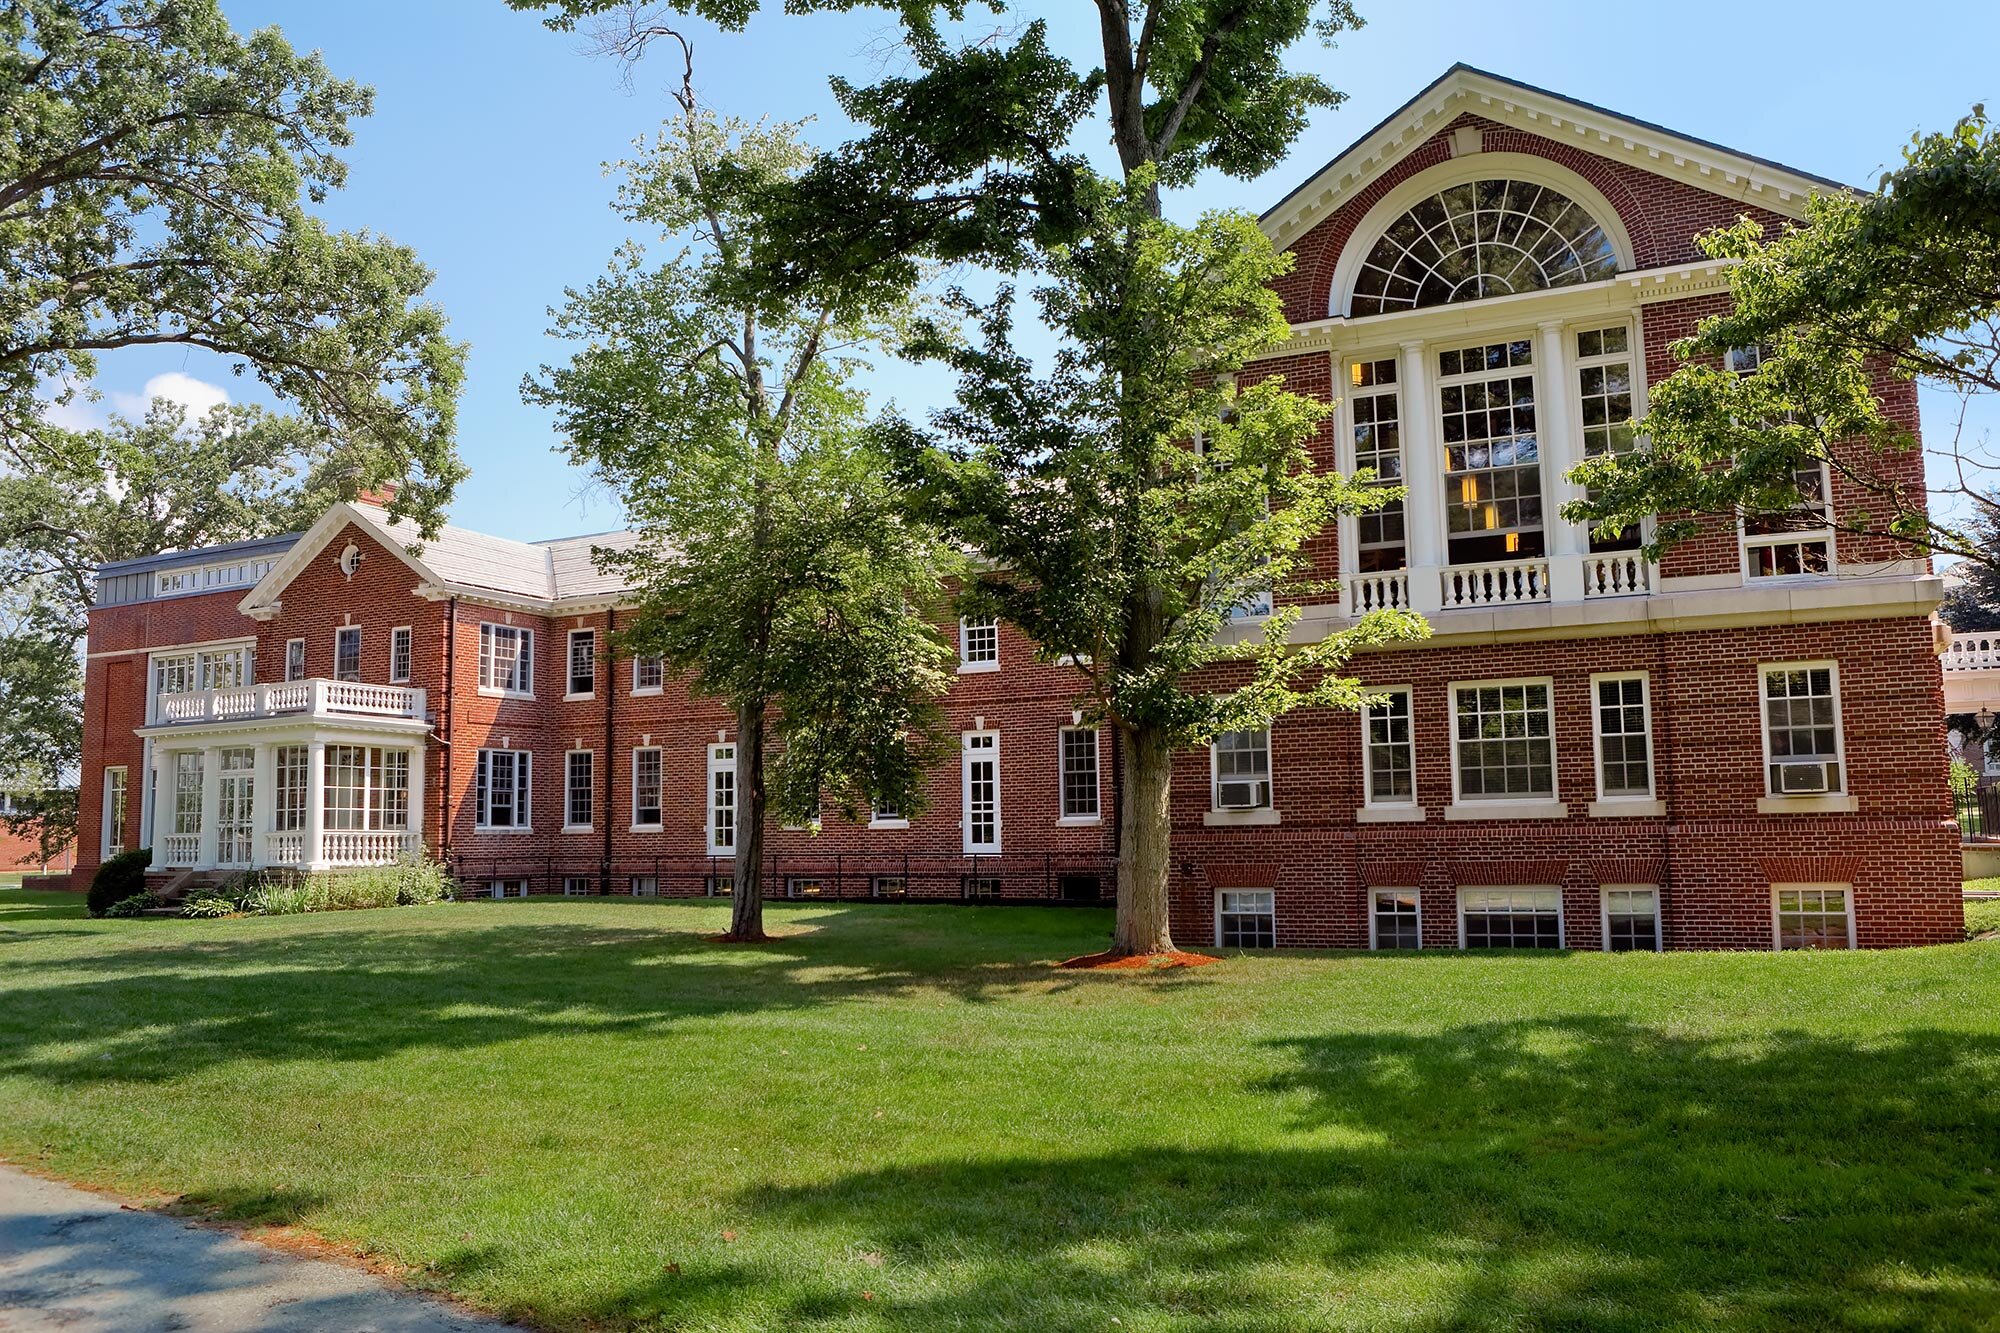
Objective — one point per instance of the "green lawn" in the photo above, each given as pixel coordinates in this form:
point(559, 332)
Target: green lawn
point(902, 1118)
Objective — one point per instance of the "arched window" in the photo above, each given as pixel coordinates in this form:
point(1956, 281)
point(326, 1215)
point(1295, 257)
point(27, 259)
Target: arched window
point(1482, 238)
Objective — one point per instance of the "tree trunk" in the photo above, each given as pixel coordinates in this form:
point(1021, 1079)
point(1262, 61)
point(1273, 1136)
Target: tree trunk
point(1145, 846)
point(746, 915)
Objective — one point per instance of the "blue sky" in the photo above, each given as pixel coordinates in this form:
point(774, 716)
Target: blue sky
point(485, 148)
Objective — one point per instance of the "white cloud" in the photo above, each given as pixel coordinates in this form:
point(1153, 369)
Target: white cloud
point(197, 396)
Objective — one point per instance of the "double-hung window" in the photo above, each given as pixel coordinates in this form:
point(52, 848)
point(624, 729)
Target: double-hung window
point(1079, 773)
point(1375, 412)
point(1503, 739)
point(288, 814)
point(506, 659)
point(1510, 918)
point(1802, 747)
point(1624, 737)
point(1492, 451)
point(1389, 751)
point(1813, 916)
point(648, 674)
point(1396, 922)
point(1604, 398)
point(399, 655)
point(1240, 762)
point(579, 790)
point(114, 811)
point(502, 787)
point(1246, 919)
point(347, 653)
point(295, 659)
point(1631, 919)
point(582, 663)
point(978, 643)
point(1797, 541)
point(646, 787)
point(721, 798)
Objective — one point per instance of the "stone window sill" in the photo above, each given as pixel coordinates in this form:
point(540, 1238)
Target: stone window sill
point(1228, 818)
point(1390, 814)
point(1807, 805)
point(1506, 810)
point(1628, 808)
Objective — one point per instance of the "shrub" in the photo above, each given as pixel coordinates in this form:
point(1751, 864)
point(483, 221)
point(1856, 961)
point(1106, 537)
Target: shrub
point(287, 893)
point(1964, 778)
point(208, 907)
point(132, 906)
point(118, 879)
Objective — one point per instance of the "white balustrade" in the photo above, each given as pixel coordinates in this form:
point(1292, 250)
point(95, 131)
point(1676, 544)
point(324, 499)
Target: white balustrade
point(1619, 574)
point(318, 698)
point(285, 849)
point(1972, 652)
point(1503, 583)
point(179, 850)
point(367, 847)
point(1376, 592)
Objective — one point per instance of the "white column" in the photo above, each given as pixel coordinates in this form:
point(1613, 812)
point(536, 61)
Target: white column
point(211, 804)
point(149, 795)
point(163, 803)
point(264, 803)
point(1423, 514)
point(417, 753)
point(315, 849)
point(1561, 451)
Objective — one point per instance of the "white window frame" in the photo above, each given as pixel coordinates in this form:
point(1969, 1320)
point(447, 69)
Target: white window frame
point(651, 885)
point(1562, 920)
point(1215, 780)
point(1764, 670)
point(360, 647)
point(1348, 455)
point(570, 692)
point(1576, 363)
point(879, 818)
point(651, 662)
point(524, 783)
point(968, 665)
point(1597, 735)
point(506, 888)
point(1436, 382)
point(1749, 542)
point(1271, 893)
point(108, 846)
point(661, 822)
point(1096, 815)
point(1369, 800)
point(1777, 931)
point(1375, 889)
point(1508, 802)
point(490, 633)
point(402, 645)
point(967, 751)
point(588, 891)
point(1604, 892)
point(292, 646)
point(569, 791)
point(719, 763)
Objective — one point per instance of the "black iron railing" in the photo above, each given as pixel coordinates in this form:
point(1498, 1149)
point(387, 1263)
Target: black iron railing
point(1979, 814)
point(1049, 878)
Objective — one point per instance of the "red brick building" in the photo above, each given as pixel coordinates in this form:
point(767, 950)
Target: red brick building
point(1739, 748)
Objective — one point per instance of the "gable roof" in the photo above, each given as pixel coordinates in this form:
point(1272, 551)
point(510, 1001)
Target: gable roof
point(1465, 89)
point(540, 576)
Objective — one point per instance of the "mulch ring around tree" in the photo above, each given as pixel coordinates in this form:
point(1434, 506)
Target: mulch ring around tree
point(1137, 962)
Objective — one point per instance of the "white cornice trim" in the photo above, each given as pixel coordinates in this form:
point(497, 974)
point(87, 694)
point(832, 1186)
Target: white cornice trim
point(261, 602)
point(1651, 148)
point(1519, 310)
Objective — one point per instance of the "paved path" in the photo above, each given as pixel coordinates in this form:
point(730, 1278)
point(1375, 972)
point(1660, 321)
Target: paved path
point(73, 1261)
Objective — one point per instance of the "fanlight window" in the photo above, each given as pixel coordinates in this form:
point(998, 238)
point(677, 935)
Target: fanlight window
point(1479, 239)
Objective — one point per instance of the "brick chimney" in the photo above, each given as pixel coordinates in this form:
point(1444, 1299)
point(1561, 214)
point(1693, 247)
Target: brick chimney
point(380, 494)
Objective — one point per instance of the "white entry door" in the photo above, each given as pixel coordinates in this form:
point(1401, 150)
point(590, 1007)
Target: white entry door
point(982, 792)
point(235, 819)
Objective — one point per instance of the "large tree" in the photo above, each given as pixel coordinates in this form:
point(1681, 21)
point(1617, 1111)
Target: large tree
point(1901, 283)
point(155, 172)
point(777, 568)
point(131, 489)
point(1106, 538)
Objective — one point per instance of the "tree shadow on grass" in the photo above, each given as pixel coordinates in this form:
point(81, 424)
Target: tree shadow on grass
point(1569, 1173)
point(153, 1007)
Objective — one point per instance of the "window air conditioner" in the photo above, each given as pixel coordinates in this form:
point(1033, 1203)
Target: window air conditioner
point(1803, 777)
point(1243, 795)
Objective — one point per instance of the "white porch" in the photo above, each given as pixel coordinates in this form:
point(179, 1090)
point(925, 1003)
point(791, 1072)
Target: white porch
point(312, 774)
